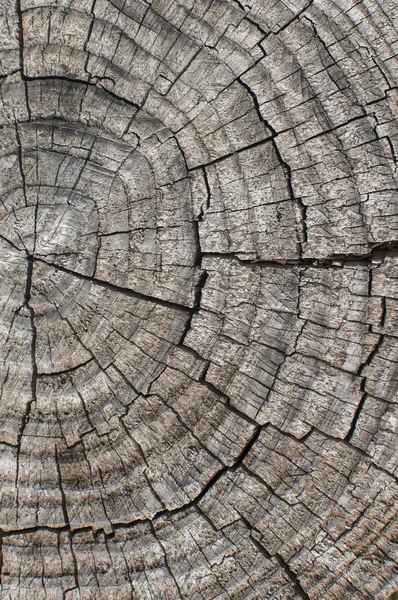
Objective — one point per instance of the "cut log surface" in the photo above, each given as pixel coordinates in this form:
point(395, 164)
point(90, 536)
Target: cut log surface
point(199, 299)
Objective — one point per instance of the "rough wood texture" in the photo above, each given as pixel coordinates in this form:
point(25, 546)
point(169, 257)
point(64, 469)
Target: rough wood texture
point(199, 299)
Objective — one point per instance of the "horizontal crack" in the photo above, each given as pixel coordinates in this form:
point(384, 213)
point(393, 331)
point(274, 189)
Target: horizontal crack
point(64, 372)
point(318, 261)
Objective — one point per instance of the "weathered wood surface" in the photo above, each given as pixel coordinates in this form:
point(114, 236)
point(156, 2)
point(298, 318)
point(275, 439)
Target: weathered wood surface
point(199, 299)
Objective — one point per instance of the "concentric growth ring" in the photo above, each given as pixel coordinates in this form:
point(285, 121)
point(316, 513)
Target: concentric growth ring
point(199, 256)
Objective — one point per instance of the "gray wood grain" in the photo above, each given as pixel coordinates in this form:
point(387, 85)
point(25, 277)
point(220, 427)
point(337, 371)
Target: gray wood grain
point(198, 299)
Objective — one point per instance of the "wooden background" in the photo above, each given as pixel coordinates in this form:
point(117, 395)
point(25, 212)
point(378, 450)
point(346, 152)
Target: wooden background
point(198, 299)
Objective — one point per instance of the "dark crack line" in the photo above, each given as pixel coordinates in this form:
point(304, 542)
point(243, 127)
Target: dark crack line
point(21, 54)
point(286, 167)
point(7, 241)
point(86, 83)
point(295, 18)
point(65, 371)
point(293, 577)
point(358, 410)
point(229, 154)
point(281, 561)
point(363, 366)
point(90, 30)
point(181, 73)
point(379, 249)
point(21, 170)
point(13, 72)
point(115, 288)
point(61, 489)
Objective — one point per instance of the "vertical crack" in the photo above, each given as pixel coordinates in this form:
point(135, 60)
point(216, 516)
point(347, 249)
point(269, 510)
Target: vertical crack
point(383, 315)
point(200, 284)
point(285, 566)
point(303, 238)
point(166, 562)
point(301, 206)
point(366, 363)
point(61, 489)
point(90, 29)
point(293, 577)
point(21, 53)
point(21, 170)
